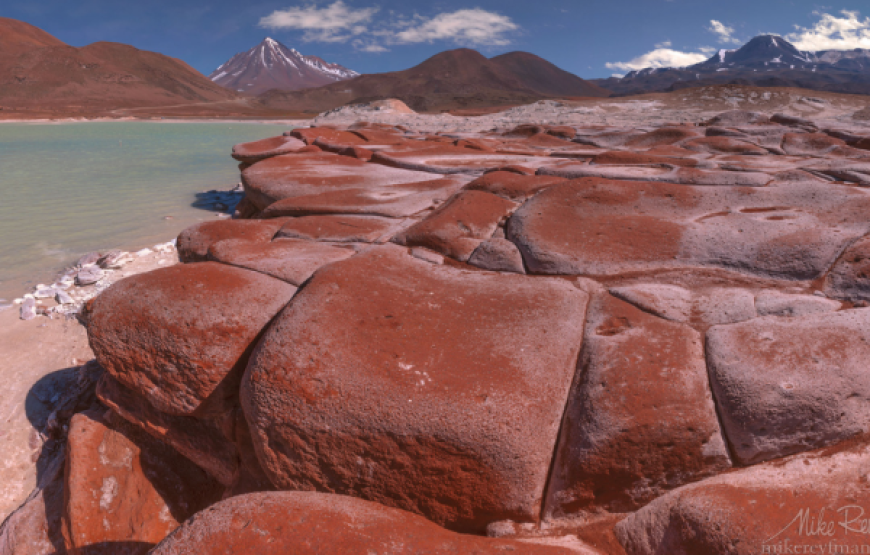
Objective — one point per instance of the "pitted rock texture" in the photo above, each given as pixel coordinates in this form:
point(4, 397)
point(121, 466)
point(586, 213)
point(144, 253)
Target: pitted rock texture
point(290, 260)
point(815, 500)
point(194, 242)
point(180, 335)
point(786, 385)
point(460, 226)
point(572, 315)
point(640, 420)
point(791, 233)
point(124, 492)
point(308, 523)
point(354, 389)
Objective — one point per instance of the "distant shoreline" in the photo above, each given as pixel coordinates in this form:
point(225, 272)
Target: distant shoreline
point(58, 121)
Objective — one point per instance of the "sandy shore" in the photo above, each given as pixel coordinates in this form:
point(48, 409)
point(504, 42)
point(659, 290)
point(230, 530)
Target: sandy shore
point(39, 358)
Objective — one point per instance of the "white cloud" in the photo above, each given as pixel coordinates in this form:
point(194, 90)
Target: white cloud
point(833, 33)
point(660, 57)
point(474, 26)
point(335, 23)
point(725, 32)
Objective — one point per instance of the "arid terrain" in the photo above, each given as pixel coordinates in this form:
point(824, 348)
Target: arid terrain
point(619, 326)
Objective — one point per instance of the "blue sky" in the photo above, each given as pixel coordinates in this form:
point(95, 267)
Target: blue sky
point(592, 38)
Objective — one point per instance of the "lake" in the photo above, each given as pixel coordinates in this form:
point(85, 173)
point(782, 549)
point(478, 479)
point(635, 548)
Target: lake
point(68, 189)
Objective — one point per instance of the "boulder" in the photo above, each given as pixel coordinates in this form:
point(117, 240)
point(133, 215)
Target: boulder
point(206, 442)
point(193, 242)
point(601, 227)
point(849, 279)
point(460, 226)
point(341, 228)
point(640, 420)
point(794, 121)
point(810, 144)
point(181, 335)
point(498, 255)
point(420, 386)
point(329, 135)
point(124, 492)
point(734, 118)
point(776, 303)
point(324, 183)
point(670, 302)
point(89, 275)
point(785, 385)
point(309, 523)
point(290, 260)
point(512, 186)
point(724, 145)
point(249, 153)
point(35, 527)
point(810, 503)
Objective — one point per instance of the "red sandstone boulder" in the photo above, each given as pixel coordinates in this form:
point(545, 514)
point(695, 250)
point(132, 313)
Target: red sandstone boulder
point(785, 385)
point(249, 153)
point(511, 185)
point(308, 523)
point(599, 227)
point(341, 228)
point(290, 260)
point(640, 421)
point(811, 503)
point(124, 491)
point(207, 442)
point(849, 279)
point(460, 226)
point(724, 145)
point(181, 335)
point(498, 255)
point(420, 386)
point(328, 135)
point(810, 144)
point(323, 183)
point(193, 242)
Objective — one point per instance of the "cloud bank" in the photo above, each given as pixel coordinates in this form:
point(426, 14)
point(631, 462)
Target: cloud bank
point(339, 22)
point(724, 32)
point(833, 33)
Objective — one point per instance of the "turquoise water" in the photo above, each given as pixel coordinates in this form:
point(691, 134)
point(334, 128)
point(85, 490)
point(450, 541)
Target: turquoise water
point(68, 189)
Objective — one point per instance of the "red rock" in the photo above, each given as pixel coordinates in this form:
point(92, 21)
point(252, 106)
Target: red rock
point(193, 242)
point(641, 420)
point(203, 441)
point(498, 255)
point(328, 183)
point(810, 503)
point(424, 387)
point(249, 153)
point(661, 137)
point(341, 228)
point(511, 185)
point(125, 492)
point(737, 118)
point(626, 158)
point(724, 145)
point(458, 227)
point(449, 159)
point(308, 523)
point(785, 385)
point(663, 173)
point(863, 144)
point(290, 260)
point(626, 226)
point(181, 335)
point(331, 136)
point(849, 279)
point(809, 144)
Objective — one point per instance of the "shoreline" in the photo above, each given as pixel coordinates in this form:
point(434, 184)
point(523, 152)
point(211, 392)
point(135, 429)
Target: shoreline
point(127, 119)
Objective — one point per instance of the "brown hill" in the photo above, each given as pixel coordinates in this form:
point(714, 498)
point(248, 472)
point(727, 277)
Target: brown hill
point(42, 74)
point(455, 79)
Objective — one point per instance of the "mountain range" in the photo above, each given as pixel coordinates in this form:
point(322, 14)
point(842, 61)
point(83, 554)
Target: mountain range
point(39, 73)
point(454, 79)
point(271, 65)
point(765, 61)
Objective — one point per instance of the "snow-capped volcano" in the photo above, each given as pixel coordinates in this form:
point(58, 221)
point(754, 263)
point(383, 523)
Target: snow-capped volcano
point(271, 65)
